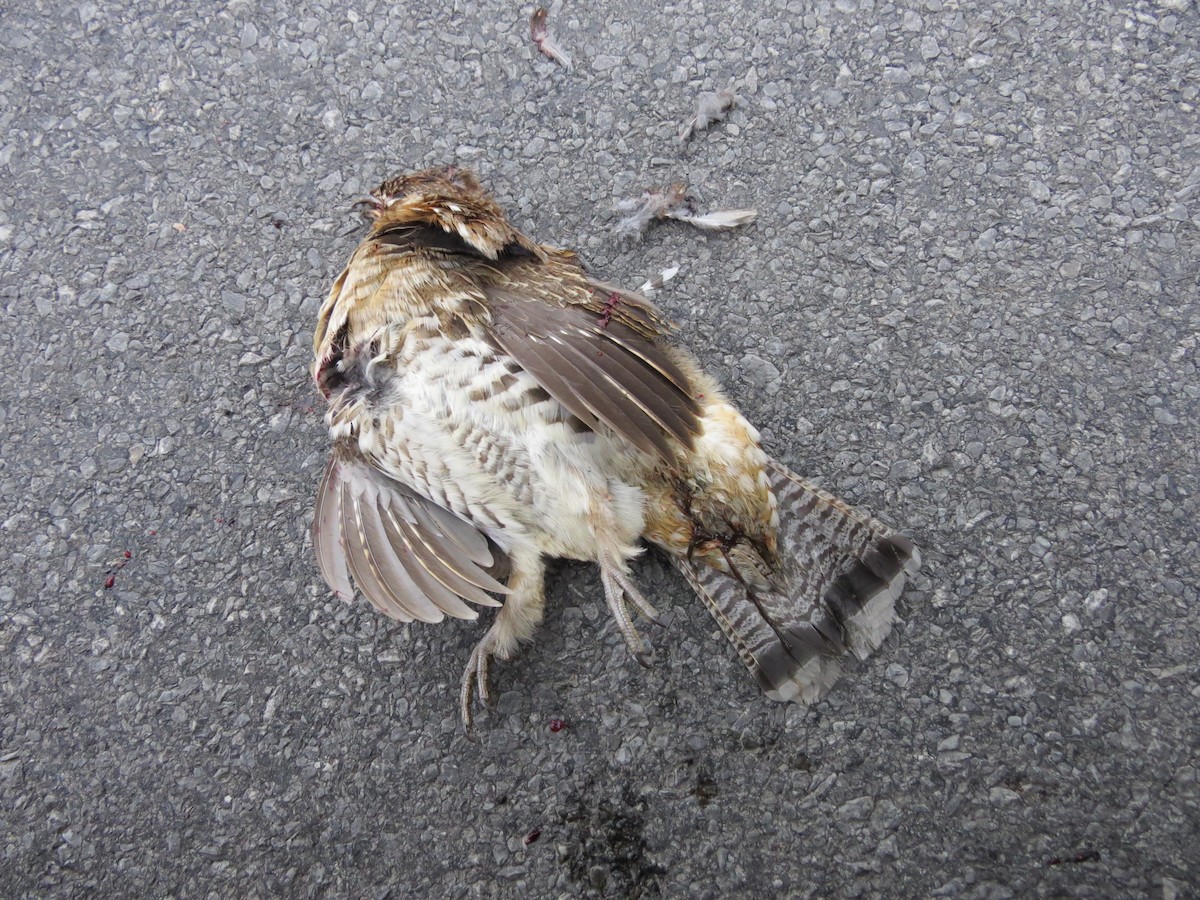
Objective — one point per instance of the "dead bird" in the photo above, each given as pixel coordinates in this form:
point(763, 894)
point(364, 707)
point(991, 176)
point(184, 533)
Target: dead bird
point(493, 405)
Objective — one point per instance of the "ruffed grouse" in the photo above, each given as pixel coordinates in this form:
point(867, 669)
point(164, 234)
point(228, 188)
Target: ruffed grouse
point(492, 405)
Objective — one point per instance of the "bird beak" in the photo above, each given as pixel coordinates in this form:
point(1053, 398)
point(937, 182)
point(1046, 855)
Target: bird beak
point(368, 207)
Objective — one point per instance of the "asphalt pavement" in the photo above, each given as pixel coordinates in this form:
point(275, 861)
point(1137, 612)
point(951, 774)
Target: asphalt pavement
point(970, 303)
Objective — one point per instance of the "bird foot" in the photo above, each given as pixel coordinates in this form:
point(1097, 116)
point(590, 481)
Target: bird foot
point(620, 591)
point(477, 679)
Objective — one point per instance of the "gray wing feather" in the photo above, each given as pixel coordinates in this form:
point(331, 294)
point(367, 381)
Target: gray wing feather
point(600, 371)
point(409, 557)
point(410, 548)
point(624, 368)
point(327, 536)
point(392, 575)
point(446, 581)
point(472, 544)
point(357, 539)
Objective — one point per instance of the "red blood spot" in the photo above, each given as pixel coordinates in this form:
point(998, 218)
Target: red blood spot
point(532, 836)
point(557, 725)
point(153, 533)
point(128, 555)
point(611, 302)
point(110, 581)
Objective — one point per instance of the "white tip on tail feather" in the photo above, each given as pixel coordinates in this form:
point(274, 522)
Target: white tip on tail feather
point(809, 683)
point(867, 629)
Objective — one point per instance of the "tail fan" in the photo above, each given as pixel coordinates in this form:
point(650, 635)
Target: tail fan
point(843, 572)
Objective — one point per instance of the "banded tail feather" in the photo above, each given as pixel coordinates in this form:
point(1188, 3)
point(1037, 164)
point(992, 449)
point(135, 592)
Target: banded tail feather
point(842, 572)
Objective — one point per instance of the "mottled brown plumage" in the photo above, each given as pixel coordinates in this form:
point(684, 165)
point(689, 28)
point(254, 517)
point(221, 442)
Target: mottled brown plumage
point(492, 405)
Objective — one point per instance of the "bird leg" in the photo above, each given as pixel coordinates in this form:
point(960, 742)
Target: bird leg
point(516, 621)
point(478, 675)
point(619, 591)
point(613, 549)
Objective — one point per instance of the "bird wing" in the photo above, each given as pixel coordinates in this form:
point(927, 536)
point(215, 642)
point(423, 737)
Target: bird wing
point(597, 351)
point(409, 556)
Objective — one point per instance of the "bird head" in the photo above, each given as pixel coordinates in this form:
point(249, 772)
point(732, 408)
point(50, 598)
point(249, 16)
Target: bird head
point(452, 200)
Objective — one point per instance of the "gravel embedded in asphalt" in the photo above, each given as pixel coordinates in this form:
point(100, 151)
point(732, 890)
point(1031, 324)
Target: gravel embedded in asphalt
point(970, 303)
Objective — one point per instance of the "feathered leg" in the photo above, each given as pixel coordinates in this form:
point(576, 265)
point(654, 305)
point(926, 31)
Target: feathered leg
point(613, 539)
point(516, 622)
